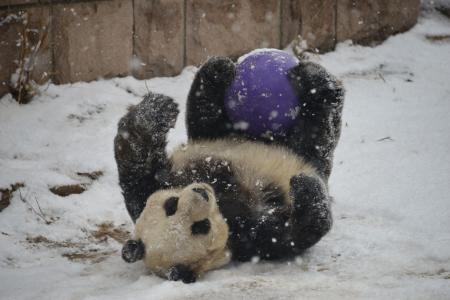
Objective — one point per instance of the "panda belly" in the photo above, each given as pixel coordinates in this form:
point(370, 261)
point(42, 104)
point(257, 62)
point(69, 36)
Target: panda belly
point(251, 183)
point(255, 165)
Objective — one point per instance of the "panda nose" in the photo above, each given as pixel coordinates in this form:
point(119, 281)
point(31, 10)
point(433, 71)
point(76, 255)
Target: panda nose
point(202, 192)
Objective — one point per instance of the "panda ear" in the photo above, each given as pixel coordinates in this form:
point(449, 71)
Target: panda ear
point(133, 251)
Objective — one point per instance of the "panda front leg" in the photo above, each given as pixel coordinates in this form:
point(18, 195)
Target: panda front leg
point(205, 113)
point(139, 148)
point(311, 215)
point(317, 132)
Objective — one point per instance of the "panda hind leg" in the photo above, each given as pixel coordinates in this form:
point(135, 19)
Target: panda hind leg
point(205, 112)
point(311, 216)
point(317, 132)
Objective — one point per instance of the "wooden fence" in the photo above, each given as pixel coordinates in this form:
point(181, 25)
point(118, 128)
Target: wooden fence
point(68, 41)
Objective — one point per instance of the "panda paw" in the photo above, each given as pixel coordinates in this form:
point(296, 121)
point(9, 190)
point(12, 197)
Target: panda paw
point(315, 85)
point(133, 251)
point(311, 203)
point(183, 273)
point(157, 111)
point(152, 118)
point(218, 70)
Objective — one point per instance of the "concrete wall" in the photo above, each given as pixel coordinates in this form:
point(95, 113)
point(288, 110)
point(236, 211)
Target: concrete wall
point(147, 38)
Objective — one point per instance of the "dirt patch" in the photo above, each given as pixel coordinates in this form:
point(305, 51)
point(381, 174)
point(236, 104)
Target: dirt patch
point(91, 175)
point(380, 72)
point(107, 230)
point(79, 188)
point(440, 273)
point(7, 194)
point(93, 256)
point(42, 240)
point(92, 249)
point(67, 190)
point(89, 113)
point(439, 38)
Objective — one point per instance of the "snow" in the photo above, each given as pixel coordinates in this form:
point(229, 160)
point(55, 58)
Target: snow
point(390, 184)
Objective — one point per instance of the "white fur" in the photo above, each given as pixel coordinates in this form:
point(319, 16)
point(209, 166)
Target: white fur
point(168, 240)
point(256, 164)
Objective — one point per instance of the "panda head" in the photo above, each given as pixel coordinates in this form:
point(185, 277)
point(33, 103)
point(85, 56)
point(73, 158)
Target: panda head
point(180, 233)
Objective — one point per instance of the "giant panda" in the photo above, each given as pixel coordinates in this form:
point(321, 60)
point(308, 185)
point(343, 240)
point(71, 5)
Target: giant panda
point(226, 195)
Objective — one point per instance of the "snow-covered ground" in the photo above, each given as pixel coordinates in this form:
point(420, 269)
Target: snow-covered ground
point(391, 183)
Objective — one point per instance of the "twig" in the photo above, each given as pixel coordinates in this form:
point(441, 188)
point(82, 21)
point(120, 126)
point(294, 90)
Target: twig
point(148, 90)
point(23, 89)
point(388, 138)
point(39, 207)
point(39, 213)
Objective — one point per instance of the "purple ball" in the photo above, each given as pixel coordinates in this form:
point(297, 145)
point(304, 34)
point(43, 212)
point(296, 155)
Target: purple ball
point(261, 100)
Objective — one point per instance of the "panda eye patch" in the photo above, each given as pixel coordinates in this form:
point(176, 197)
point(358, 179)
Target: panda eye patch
point(202, 192)
point(170, 206)
point(201, 227)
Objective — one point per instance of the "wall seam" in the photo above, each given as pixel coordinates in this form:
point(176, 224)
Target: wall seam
point(335, 23)
point(133, 34)
point(280, 24)
point(51, 38)
point(184, 33)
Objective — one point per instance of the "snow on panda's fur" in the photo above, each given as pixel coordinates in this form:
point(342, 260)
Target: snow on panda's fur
point(183, 226)
point(262, 171)
point(226, 195)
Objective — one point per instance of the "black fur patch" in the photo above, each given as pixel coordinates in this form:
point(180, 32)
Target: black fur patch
point(206, 116)
point(311, 217)
point(133, 251)
point(201, 227)
point(170, 206)
point(273, 195)
point(202, 192)
point(317, 132)
point(181, 272)
point(139, 149)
